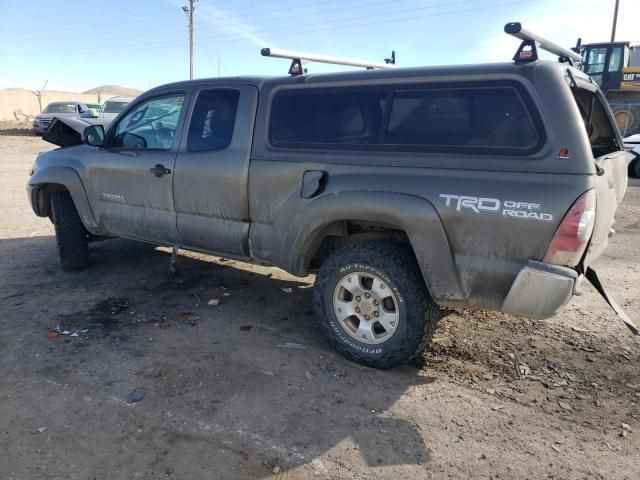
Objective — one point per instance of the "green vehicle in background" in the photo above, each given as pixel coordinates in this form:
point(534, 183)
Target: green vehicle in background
point(96, 109)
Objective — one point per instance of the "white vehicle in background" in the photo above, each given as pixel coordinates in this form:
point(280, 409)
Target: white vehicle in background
point(632, 145)
point(113, 107)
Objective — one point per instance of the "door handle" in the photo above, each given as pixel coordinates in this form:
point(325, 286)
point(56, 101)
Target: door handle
point(160, 170)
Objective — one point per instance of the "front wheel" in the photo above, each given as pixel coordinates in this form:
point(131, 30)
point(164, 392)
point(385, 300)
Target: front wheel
point(71, 236)
point(374, 305)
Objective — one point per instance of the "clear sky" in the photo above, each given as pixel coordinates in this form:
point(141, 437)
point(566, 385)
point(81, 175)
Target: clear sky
point(77, 45)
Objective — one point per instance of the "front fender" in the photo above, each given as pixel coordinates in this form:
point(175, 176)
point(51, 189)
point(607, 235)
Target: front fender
point(67, 177)
point(416, 216)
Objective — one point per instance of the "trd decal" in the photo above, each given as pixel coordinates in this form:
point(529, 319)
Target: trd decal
point(507, 208)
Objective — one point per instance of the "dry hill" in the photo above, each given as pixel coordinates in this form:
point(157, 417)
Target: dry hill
point(113, 91)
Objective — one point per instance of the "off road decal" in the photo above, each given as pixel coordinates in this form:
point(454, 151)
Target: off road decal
point(506, 208)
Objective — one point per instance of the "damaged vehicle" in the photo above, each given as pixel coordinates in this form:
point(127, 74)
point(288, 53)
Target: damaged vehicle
point(96, 109)
point(632, 143)
point(59, 110)
point(113, 107)
point(405, 190)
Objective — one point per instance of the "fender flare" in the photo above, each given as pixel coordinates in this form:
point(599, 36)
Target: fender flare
point(70, 179)
point(414, 215)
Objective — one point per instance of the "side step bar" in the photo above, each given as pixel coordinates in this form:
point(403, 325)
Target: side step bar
point(591, 275)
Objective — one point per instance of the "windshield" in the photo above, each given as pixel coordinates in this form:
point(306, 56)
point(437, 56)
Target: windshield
point(114, 107)
point(597, 122)
point(60, 108)
point(93, 106)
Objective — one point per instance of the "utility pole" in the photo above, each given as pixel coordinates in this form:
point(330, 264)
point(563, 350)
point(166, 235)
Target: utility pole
point(615, 21)
point(38, 94)
point(189, 10)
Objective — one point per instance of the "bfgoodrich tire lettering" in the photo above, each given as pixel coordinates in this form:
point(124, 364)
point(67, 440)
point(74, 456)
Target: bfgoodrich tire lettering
point(71, 236)
point(393, 265)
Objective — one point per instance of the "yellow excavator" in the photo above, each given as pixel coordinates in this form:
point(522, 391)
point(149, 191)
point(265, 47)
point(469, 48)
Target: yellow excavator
point(615, 66)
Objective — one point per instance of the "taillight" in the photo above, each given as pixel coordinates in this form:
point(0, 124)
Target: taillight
point(574, 232)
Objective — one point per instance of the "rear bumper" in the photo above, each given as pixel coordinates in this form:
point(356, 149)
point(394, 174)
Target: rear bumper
point(540, 290)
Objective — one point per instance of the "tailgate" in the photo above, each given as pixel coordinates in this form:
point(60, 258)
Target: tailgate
point(610, 187)
point(610, 162)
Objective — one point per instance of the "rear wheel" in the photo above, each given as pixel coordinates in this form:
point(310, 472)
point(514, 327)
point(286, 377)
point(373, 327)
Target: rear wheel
point(71, 236)
point(374, 305)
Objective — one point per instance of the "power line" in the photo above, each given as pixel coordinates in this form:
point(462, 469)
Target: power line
point(74, 36)
point(298, 26)
point(91, 28)
point(146, 17)
point(334, 20)
point(294, 31)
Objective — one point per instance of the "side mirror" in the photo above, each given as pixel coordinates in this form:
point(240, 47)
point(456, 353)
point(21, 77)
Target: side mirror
point(86, 114)
point(93, 135)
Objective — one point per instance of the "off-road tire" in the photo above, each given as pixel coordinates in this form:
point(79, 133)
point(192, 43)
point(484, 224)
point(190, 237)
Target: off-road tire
point(397, 267)
point(71, 236)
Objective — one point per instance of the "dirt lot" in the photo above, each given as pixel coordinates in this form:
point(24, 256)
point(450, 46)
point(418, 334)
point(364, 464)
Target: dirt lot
point(228, 397)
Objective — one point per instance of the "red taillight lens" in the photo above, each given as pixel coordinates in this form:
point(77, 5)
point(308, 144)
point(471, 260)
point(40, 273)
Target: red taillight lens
point(574, 232)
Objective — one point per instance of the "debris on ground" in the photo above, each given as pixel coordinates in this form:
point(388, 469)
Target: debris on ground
point(190, 318)
point(287, 289)
point(565, 405)
point(330, 369)
point(55, 333)
point(308, 375)
point(214, 302)
point(136, 395)
point(69, 333)
point(291, 345)
point(40, 430)
point(524, 370)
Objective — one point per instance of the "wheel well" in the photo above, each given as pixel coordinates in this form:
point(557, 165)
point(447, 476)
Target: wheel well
point(347, 232)
point(43, 197)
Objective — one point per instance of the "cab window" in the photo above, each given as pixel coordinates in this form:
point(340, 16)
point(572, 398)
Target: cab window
point(151, 125)
point(472, 118)
point(213, 119)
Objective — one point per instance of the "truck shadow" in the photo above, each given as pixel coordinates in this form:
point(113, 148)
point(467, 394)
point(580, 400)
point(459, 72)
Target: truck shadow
point(250, 375)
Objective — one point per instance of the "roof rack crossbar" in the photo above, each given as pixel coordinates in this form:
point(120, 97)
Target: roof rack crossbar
point(298, 59)
point(531, 40)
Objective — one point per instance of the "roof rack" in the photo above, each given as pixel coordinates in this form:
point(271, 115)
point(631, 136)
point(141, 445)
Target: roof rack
point(528, 50)
point(298, 59)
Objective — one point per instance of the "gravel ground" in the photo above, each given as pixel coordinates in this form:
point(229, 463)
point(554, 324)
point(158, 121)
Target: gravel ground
point(249, 389)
